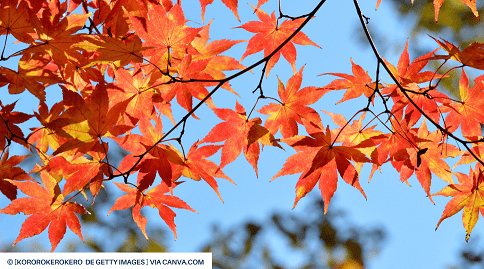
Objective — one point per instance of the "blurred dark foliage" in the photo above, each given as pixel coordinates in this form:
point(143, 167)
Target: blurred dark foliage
point(290, 240)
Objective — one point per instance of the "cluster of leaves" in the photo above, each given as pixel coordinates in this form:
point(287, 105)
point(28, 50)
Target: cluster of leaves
point(121, 64)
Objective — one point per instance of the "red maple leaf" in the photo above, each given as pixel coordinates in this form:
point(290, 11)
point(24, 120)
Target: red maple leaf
point(425, 156)
point(9, 171)
point(154, 198)
point(212, 50)
point(159, 160)
point(239, 133)
point(197, 167)
point(166, 32)
point(8, 128)
point(136, 88)
point(356, 85)
point(79, 171)
point(270, 34)
point(47, 206)
point(468, 112)
point(468, 195)
point(185, 91)
point(293, 107)
point(409, 76)
point(320, 160)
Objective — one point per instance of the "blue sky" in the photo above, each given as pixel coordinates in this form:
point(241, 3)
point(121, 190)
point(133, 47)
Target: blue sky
point(406, 214)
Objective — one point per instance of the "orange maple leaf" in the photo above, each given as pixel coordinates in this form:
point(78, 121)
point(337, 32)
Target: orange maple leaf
point(159, 160)
point(319, 160)
point(110, 50)
point(189, 69)
point(47, 206)
point(57, 33)
point(134, 87)
point(34, 74)
point(293, 107)
point(239, 133)
point(165, 32)
point(271, 34)
point(469, 194)
point(468, 112)
point(197, 167)
point(409, 76)
point(472, 56)
point(44, 136)
point(355, 85)
point(15, 20)
point(79, 171)
point(154, 198)
point(231, 4)
point(212, 50)
point(425, 156)
point(87, 120)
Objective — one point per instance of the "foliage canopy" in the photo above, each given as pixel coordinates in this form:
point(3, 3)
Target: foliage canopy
point(120, 65)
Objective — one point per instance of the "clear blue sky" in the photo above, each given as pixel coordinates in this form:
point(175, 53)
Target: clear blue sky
point(404, 212)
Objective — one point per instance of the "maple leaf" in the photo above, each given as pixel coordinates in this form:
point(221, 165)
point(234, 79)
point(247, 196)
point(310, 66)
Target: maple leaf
point(8, 128)
point(159, 160)
point(239, 133)
point(468, 112)
point(55, 31)
point(320, 160)
point(231, 4)
point(293, 107)
point(79, 171)
point(468, 195)
point(271, 34)
point(409, 76)
point(15, 20)
point(34, 74)
point(135, 88)
point(154, 198)
point(355, 86)
point(166, 32)
point(9, 171)
point(110, 50)
point(472, 56)
point(217, 63)
point(47, 206)
point(88, 120)
point(477, 149)
point(196, 167)
point(44, 136)
point(409, 73)
point(426, 158)
point(185, 91)
point(353, 135)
